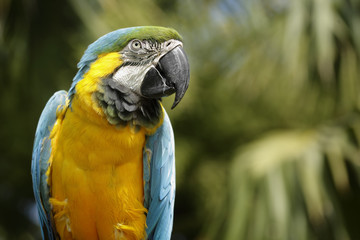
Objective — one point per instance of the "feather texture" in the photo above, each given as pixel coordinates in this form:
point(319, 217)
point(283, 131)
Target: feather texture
point(159, 178)
point(39, 164)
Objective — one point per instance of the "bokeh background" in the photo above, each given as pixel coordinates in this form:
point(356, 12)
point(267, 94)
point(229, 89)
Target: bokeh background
point(267, 136)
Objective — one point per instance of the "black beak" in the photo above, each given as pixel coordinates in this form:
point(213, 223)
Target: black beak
point(171, 75)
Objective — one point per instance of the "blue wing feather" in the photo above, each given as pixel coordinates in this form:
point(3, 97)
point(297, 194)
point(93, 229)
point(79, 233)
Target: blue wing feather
point(159, 178)
point(39, 164)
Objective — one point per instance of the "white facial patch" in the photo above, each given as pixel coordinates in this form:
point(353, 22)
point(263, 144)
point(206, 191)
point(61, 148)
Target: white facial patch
point(131, 76)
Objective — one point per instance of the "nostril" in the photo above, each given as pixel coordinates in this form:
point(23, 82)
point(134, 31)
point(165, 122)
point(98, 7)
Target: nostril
point(168, 44)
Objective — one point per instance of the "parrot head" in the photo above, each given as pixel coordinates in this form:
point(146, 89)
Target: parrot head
point(125, 74)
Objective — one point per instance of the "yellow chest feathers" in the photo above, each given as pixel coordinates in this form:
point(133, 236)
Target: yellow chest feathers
point(96, 178)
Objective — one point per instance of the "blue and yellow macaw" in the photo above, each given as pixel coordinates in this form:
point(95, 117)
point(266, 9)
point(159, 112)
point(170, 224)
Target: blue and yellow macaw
point(103, 163)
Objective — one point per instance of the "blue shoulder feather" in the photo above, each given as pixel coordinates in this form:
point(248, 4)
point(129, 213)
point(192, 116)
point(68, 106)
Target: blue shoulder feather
point(40, 164)
point(159, 178)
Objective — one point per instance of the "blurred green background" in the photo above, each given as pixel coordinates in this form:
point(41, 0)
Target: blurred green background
point(267, 136)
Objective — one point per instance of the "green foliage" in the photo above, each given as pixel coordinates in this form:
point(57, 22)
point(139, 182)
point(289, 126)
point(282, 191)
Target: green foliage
point(267, 136)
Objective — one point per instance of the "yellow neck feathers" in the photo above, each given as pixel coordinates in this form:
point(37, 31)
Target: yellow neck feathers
point(85, 88)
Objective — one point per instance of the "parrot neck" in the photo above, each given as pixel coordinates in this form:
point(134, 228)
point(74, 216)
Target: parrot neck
point(122, 106)
point(90, 112)
point(103, 100)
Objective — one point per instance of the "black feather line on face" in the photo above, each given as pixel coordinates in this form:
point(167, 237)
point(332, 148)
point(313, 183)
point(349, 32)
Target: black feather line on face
point(122, 106)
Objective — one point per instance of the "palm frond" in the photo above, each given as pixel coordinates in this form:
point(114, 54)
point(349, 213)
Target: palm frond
point(284, 183)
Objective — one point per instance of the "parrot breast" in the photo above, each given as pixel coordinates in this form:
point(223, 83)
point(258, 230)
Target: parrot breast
point(96, 177)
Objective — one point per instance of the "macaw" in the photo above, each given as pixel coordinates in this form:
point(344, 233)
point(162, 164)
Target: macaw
point(103, 164)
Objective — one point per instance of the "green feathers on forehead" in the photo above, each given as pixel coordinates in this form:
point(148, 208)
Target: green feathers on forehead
point(115, 41)
point(154, 34)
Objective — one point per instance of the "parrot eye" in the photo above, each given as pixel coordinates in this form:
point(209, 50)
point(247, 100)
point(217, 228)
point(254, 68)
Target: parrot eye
point(136, 45)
